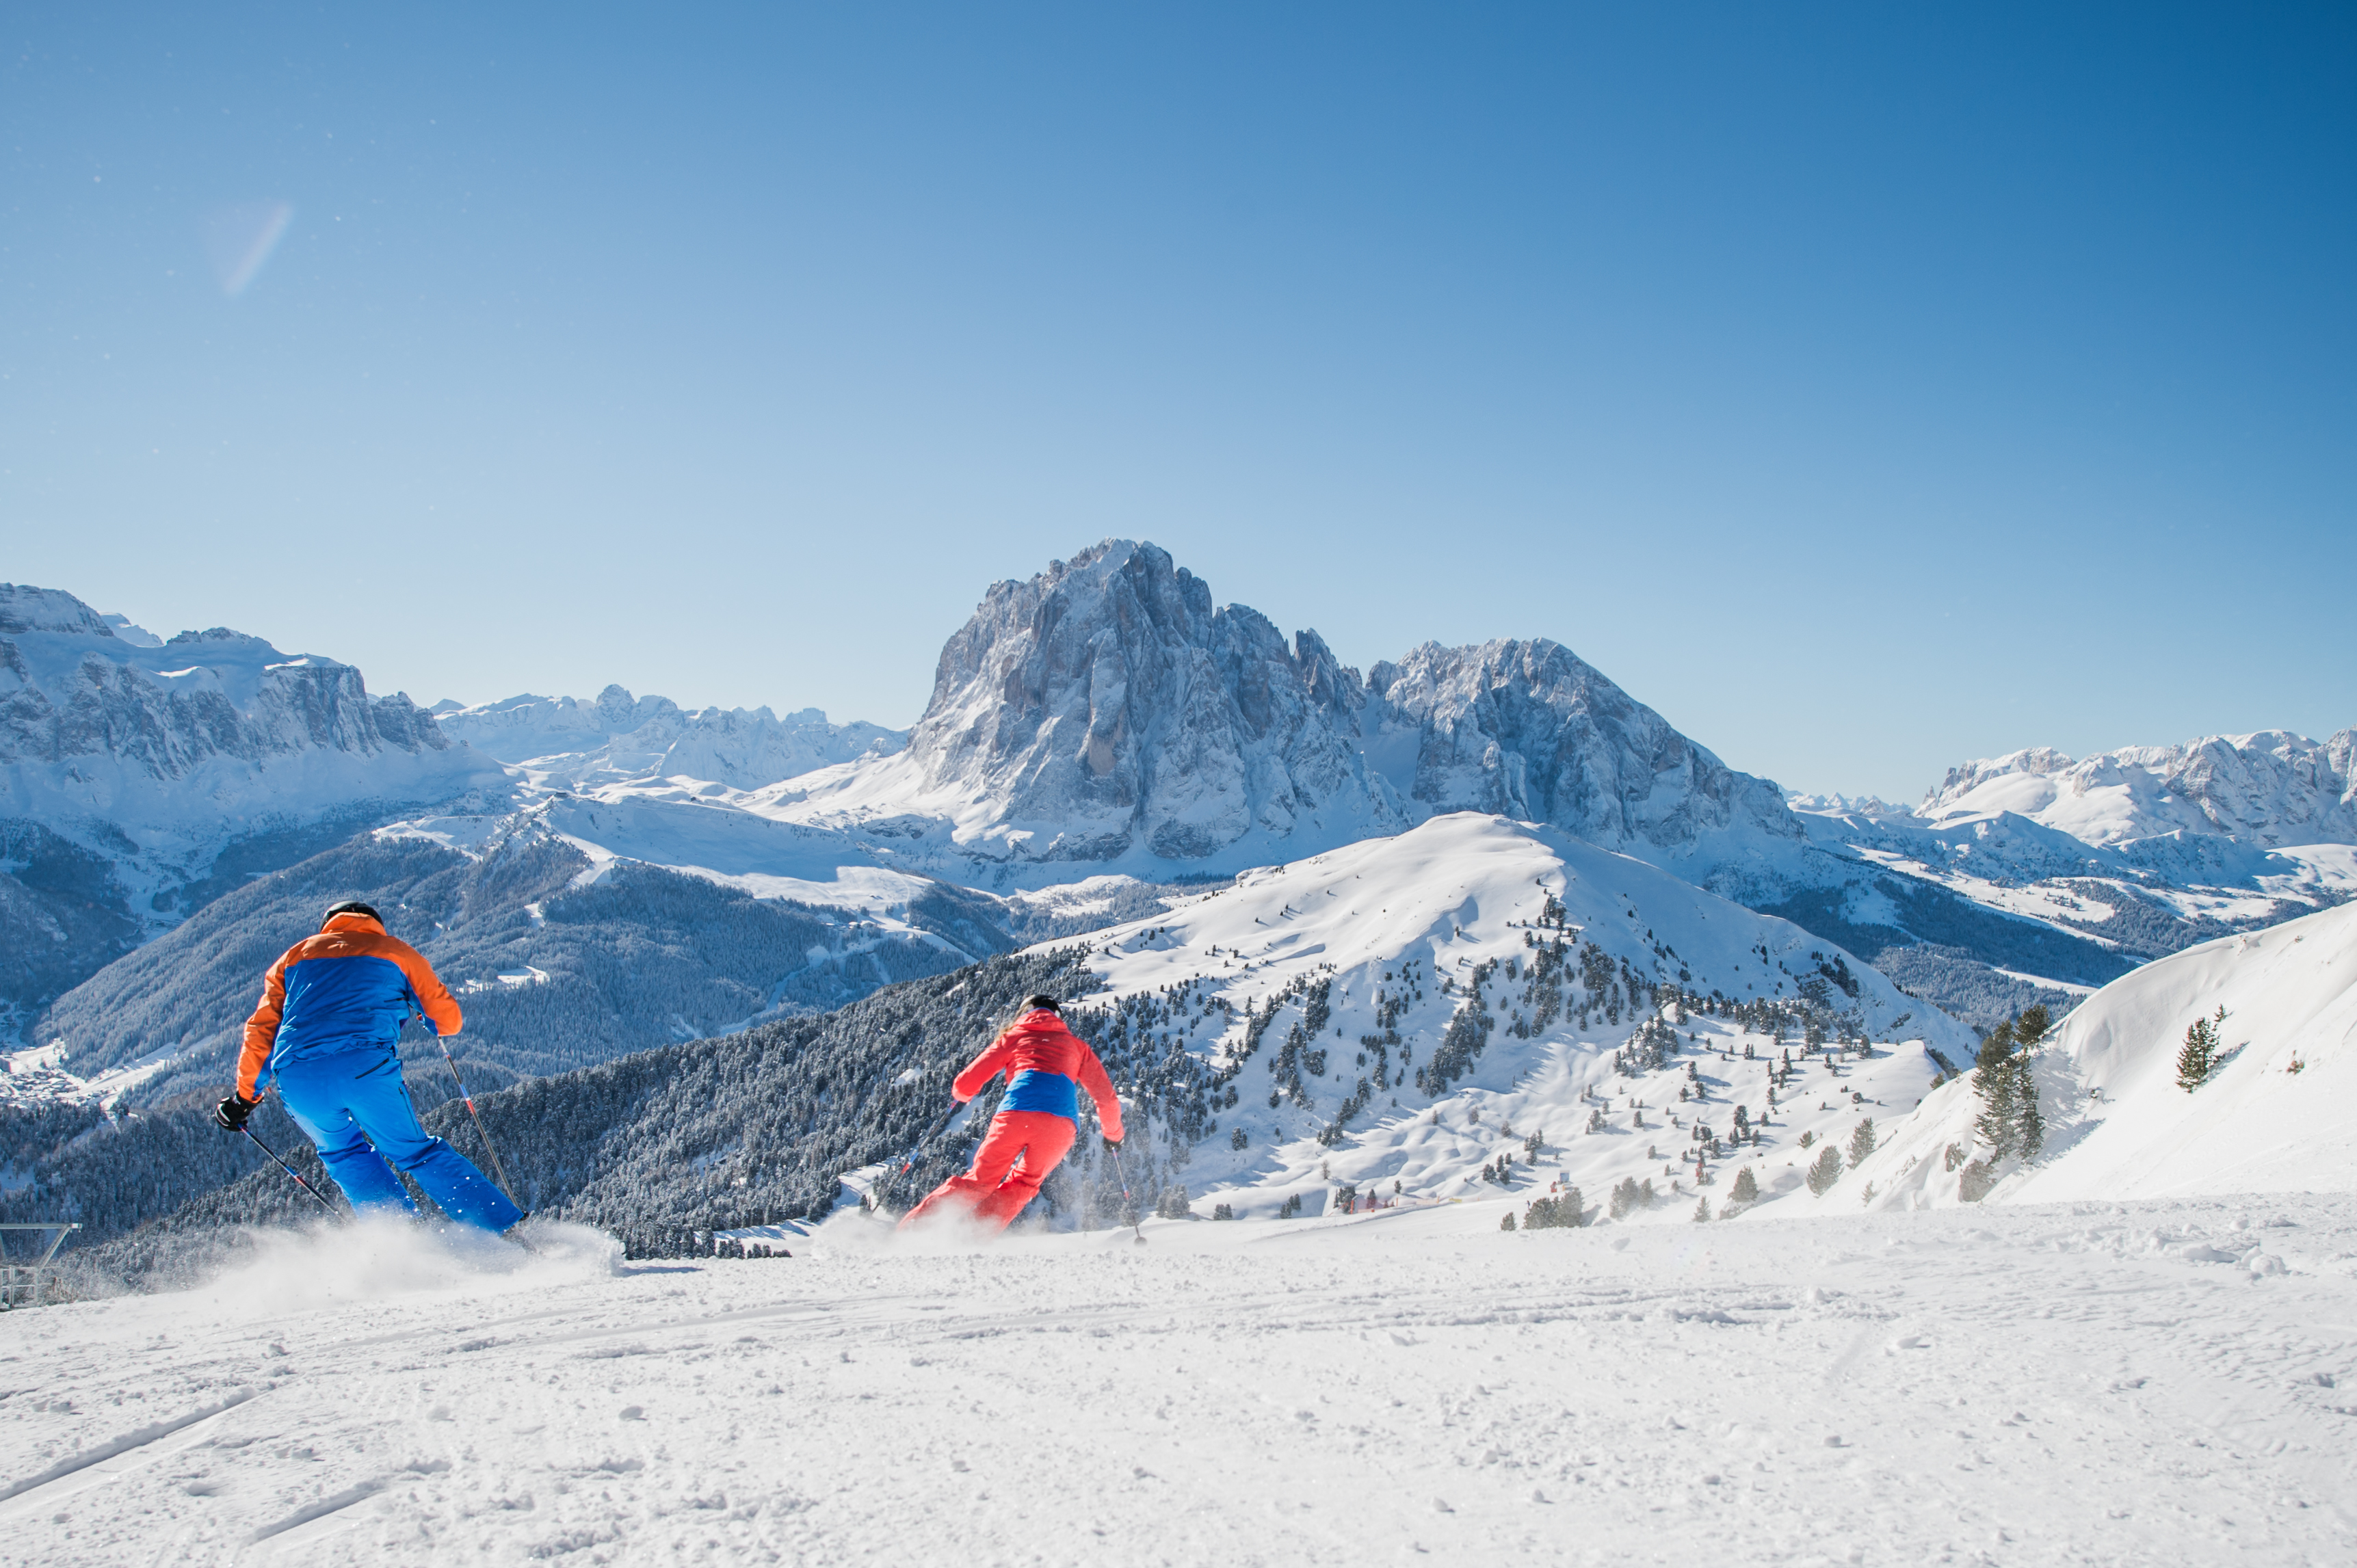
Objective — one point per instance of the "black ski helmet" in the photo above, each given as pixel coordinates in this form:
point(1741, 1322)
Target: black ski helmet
point(350, 907)
point(1033, 1003)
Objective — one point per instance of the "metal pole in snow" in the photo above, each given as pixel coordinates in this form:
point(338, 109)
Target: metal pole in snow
point(497, 1169)
point(283, 1166)
point(1122, 1171)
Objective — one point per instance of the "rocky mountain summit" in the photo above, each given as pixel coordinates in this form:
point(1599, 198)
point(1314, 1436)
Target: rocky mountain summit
point(1107, 711)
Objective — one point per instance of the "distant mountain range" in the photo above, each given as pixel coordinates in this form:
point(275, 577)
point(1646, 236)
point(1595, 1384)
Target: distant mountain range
point(565, 743)
point(1105, 719)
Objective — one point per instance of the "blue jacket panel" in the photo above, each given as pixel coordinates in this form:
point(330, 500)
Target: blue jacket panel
point(342, 1005)
point(1032, 1090)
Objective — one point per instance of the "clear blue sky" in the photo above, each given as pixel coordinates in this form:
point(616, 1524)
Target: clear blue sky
point(1864, 388)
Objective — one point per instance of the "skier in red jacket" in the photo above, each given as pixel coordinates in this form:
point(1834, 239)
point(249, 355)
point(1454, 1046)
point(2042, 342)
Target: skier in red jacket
point(1047, 1066)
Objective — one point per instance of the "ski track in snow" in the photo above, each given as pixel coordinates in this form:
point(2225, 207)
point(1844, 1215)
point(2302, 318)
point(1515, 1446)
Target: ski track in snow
point(2062, 1383)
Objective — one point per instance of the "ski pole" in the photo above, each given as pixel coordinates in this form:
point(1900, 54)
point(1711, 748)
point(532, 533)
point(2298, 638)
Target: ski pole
point(283, 1166)
point(1123, 1171)
point(497, 1169)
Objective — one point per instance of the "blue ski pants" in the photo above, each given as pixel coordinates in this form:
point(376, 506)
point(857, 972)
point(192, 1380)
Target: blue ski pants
point(356, 1111)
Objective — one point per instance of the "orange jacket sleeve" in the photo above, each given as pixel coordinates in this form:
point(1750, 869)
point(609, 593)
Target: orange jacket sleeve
point(441, 1007)
point(1100, 1087)
point(985, 1066)
point(262, 1029)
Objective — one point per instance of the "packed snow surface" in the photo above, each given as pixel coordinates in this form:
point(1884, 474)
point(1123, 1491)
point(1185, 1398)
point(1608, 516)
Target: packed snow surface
point(2156, 1383)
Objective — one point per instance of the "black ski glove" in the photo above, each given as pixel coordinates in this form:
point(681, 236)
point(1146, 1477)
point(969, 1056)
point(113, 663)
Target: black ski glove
point(231, 1113)
point(1111, 1142)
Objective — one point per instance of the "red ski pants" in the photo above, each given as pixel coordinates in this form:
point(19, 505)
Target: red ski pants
point(1017, 1154)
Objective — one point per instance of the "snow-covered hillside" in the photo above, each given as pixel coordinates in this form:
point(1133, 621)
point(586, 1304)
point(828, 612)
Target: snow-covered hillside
point(139, 777)
point(2039, 1385)
point(1398, 1014)
point(565, 743)
point(2274, 1117)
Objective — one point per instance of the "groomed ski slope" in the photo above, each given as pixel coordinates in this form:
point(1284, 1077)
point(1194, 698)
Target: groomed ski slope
point(2153, 1383)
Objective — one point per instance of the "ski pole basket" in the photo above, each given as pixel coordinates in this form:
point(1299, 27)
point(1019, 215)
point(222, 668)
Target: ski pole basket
point(22, 1282)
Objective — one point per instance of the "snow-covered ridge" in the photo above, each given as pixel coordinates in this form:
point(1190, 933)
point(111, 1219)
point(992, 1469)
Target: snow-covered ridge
point(566, 743)
point(1282, 983)
point(1105, 711)
point(2270, 788)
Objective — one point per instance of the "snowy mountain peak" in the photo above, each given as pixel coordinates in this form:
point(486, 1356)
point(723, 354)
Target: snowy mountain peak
point(136, 636)
point(1107, 703)
point(1531, 730)
point(24, 607)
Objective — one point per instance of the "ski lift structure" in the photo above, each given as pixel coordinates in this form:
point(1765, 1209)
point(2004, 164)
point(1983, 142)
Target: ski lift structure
point(24, 1284)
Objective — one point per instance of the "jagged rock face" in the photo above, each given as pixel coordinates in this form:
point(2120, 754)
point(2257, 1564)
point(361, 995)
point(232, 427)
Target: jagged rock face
point(1530, 730)
point(2270, 788)
point(70, 688)
point(1106, 704)
point(620, 738)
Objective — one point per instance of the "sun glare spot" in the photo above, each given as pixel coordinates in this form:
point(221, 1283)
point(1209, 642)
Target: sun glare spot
point(240, 239)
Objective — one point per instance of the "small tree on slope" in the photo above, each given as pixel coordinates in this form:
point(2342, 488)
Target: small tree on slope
point(1994, 1084)
point(2028, 1124)
point(1861, 1141)
point(2198, 1057)
point(1825, 1171)
point(2009, 1122)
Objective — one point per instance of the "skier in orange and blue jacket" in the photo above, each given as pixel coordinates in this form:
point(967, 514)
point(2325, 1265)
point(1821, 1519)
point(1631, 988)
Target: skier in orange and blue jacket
point(326, 1030)
point(1047, 1066)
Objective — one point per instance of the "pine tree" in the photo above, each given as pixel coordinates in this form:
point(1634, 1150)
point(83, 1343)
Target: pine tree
point(2198, 1057)
point(1746, 1189)
point(1702, 1210)
point(1506, 1220)
point(1826, 1171)
point(2028, 1122)
point(1994, 1082)
point(2029, 1032)
point(1861, 1142)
